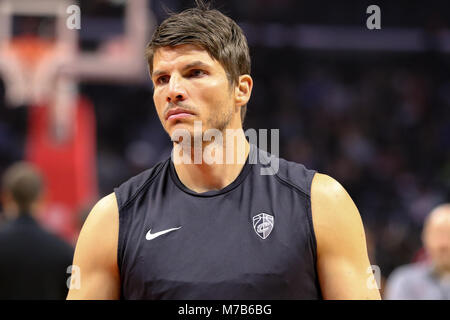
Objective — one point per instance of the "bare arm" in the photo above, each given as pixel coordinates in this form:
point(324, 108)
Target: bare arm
point(342, 260)
point(96, 253)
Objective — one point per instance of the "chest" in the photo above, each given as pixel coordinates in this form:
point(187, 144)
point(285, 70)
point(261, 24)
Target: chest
point(222, 247)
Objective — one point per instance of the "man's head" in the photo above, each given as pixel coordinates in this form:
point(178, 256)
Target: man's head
point(199, 61)
point(436, 236)
point(21, 189)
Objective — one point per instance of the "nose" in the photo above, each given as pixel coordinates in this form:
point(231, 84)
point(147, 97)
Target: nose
point(176, 91)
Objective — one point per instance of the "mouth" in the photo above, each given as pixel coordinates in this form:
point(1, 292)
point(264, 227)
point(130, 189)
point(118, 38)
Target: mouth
point(178, 113)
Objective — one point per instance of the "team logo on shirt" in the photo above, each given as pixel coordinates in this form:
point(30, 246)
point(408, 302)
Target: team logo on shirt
point(263, 224)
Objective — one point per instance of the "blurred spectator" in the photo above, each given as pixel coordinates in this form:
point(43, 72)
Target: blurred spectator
point(430, 279)
point(33, 262)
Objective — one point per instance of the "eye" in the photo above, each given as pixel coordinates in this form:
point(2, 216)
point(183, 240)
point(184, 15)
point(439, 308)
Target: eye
point(197, 73)
point(162, 80)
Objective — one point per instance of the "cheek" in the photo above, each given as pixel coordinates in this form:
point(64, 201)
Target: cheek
point(159, 103)
point(215, 96)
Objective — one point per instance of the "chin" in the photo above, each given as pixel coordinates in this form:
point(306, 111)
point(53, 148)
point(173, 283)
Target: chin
point(180, 130)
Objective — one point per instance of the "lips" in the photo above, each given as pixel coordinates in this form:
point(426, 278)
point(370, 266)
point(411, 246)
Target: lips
point(178, 113)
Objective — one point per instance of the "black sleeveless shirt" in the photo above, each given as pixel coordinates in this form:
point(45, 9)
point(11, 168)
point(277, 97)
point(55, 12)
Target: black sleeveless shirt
point(253, 239)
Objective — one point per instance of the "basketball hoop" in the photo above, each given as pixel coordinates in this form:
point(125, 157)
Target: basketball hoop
point(30, 49)
point(43, 74)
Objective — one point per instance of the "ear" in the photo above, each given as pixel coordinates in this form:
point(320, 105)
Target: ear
point(243, 90)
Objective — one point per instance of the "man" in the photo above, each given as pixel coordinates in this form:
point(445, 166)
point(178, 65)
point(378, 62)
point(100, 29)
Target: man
point(218, 230)
point(33, 262)
point(429, 279)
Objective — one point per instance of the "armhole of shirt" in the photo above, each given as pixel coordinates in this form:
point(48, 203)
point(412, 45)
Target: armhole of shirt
point(310, 219)
point(120, 232)
point(123, 204)
point(308, 207)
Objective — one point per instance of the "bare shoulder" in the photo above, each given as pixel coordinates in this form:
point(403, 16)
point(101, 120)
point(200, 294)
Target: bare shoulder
point(326, 189)
point(332, 204)
point(96, 253)
point(103, 217)
point(333, 212)
point(342, 259)
point(104, 212)
point(101, 229)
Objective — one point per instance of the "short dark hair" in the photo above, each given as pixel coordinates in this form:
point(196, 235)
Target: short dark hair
point(210, 29)
point(24, 183)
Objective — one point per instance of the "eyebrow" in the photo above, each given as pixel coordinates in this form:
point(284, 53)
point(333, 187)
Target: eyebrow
point(188, 66)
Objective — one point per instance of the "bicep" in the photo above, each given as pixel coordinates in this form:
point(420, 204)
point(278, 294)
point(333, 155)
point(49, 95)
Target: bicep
point(94, 271)
point(342, 262)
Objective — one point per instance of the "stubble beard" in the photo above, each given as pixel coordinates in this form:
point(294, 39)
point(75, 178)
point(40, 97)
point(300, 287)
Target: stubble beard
point(219, 123)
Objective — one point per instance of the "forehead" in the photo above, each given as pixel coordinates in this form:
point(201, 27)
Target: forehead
point(439, 220)
point(165, 57)
point(442, 219)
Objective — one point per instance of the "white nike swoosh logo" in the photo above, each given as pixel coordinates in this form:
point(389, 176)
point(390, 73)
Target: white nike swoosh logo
point(151, 236)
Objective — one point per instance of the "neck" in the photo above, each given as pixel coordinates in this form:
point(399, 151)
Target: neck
point(13, 212)
point(211, 165)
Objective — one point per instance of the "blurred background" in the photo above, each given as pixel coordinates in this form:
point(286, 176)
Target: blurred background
point(370, 108)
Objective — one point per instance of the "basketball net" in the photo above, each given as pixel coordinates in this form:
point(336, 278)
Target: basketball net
point(32, 79)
